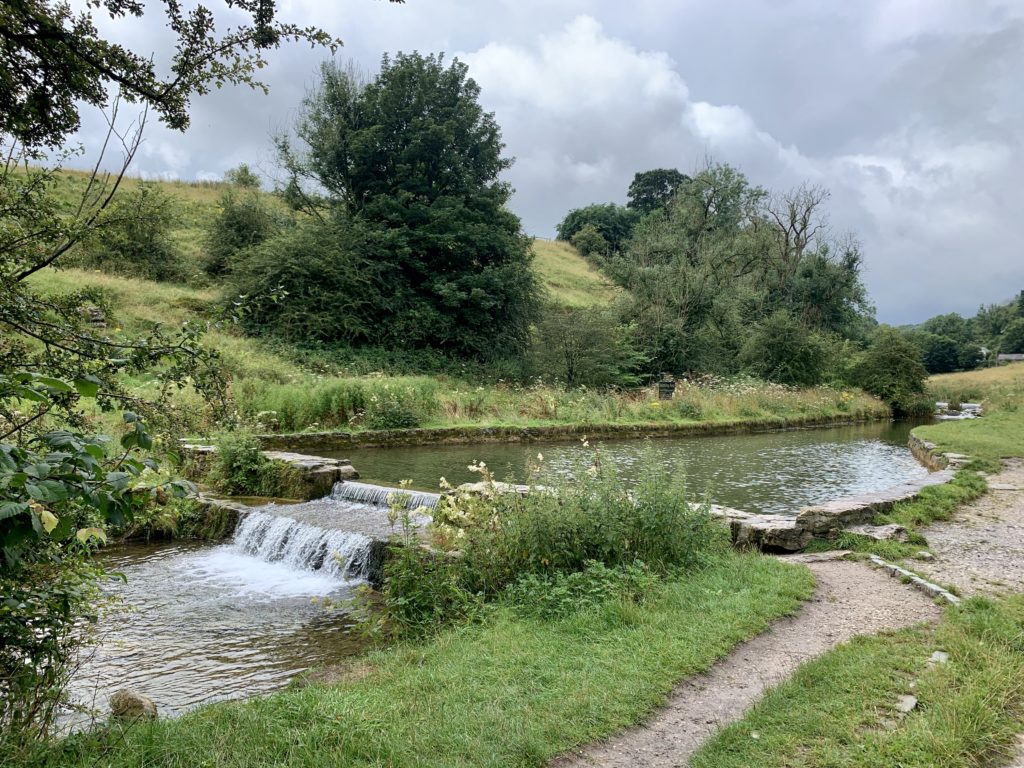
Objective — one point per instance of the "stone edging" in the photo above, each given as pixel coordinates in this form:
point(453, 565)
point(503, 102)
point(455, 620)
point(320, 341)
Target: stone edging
point(334, 441)
point(929, 588)
point(928, 454)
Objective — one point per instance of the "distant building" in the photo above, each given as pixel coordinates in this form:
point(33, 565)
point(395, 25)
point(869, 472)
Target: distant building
point(1016, 357)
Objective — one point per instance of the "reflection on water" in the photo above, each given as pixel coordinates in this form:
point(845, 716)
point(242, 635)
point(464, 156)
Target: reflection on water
point(776, 472)
point(200, 622)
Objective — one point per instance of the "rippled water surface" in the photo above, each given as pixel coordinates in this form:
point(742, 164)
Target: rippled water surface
point(773, 472)
point(200, 622)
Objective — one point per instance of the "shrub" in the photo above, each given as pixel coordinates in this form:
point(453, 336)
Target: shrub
point(133, 237)
point(1012, 340)
point(561, 594)
point(583, 347)
point(240, 469)
point(590, 242)
point(783, 350)
point(487, 542)
point(892, 370)
point(244, 220)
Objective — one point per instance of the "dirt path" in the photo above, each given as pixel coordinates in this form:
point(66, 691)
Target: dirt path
point(850, 599)
point(981, 550)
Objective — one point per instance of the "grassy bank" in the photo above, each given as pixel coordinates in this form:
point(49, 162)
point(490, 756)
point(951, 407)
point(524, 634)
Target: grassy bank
point(1000, 433)
point(840, 710)
point(511, 691)
point(278, 388)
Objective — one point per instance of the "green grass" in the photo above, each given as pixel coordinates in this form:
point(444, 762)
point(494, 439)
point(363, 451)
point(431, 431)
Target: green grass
point(569, 279)
point(999, 433)
point(839, 711)
point(508, 692)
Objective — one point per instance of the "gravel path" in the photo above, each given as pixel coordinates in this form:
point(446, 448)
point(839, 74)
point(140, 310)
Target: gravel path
point(850, 599)
point(981, 550)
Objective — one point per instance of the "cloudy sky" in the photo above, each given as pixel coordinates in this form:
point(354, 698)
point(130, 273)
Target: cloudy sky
point(909, 111)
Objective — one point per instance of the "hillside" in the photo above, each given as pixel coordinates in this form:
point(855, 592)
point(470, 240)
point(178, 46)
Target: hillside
point(569, 280)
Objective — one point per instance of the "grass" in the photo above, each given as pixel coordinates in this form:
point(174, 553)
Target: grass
point(999, 433)
point(839, 711)
point(933, 504)
point(320, 393)
point(510, 691)
point(569, 279)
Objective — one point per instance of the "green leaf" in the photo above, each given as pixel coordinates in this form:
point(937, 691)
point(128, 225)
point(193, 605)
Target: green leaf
point(12, 509)
point(88, 386)
point(54, 385)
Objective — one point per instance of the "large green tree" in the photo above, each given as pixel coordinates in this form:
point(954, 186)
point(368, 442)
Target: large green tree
point(652, 190)
point(413, 161)
point(613, 222)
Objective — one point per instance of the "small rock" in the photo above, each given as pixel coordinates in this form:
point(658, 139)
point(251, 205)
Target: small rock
point(906, 704)
point(924, 555)
point(939, 657)
point(131, 705)
point(890, 532)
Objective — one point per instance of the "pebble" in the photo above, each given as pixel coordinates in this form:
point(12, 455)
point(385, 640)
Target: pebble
point(906, 704)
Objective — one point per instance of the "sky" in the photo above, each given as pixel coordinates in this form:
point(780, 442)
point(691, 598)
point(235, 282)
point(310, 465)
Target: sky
point(910, 112)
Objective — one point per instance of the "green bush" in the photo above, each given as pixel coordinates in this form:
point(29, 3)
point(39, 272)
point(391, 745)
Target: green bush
point(244, 220)
point(784, 350)
point(133, 237)
point(484, 543)
point(590, 242)
point(892, 370)
point(561, 594)
point(583, 347)
point(240, 469)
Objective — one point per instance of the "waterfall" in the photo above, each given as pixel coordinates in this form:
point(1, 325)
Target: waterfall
point(274, 538)
point(364, 493)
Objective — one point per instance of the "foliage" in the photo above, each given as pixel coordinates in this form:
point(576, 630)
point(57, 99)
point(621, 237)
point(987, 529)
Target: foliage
point(55, 60)
point(653, 190)
point(590, 242)
point(133, 237)
point(243, 177)
point(244, 220)
point(892, 370)
point(613, 222)
point(487, 540)
point(1012, 340)
point(239, 468)
point(583, 347)
point(940, 354)
point(411, 162)
point(559, 595)
point(783, 350)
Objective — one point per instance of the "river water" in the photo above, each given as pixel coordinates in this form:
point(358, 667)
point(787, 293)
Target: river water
point(199, 622)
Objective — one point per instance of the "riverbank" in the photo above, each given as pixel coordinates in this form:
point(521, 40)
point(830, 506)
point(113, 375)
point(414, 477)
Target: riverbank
point(333, 441)
point(508, 691)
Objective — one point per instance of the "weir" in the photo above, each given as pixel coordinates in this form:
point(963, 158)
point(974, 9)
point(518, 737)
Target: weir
point(365, 493)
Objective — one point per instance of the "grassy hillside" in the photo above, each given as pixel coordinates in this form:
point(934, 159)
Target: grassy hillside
point(570, 280)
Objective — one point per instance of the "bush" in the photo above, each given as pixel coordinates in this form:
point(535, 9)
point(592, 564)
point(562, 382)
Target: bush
point(244, 220)
point(562, 594)
point(1012, 340)
point(485, 543)
point(590, 242)
point(583, 347)
point(892, 370)
point(240, 469)
point(613, 223)
point(783, 350)
point(133, 237)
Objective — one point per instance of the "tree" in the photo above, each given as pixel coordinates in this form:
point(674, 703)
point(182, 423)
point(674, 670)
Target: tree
point(892, 370)
point(613, 222)
point(652, 190)
point(59, 486)
point(590, 242)
point(940, 354)
point(783, 350)
point(1012, 340)
point(583, 347)
point(414, 160)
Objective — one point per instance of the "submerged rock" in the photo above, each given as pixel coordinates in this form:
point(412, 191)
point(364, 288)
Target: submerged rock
point(131, 705)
